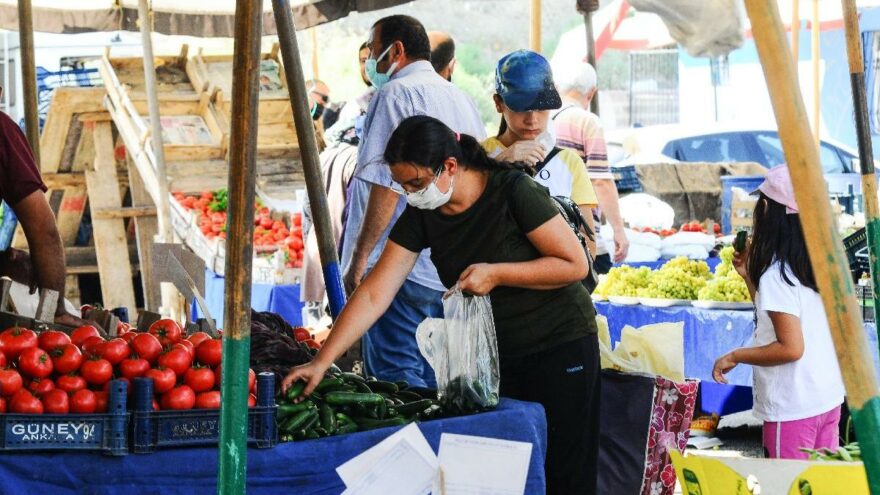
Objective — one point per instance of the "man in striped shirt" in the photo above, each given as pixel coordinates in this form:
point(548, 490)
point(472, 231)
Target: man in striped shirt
point(580, 130)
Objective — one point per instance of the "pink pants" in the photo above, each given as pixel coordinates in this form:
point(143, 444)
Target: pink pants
point(783, 440)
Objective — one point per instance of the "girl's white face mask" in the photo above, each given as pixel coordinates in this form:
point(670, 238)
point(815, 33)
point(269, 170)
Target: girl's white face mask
point(430, 198)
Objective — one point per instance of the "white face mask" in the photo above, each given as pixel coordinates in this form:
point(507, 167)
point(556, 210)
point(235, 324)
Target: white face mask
point(430, 198)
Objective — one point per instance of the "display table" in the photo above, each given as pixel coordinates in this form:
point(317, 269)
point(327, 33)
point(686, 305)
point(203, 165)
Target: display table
point(708, 334)
point(298, 468)
point(281, 299)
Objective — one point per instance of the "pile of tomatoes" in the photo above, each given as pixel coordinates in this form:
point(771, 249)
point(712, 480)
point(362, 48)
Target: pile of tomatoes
point(56, 373)
point(270, 234)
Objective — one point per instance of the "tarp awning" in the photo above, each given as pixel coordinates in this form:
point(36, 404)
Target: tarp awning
point(199, 18)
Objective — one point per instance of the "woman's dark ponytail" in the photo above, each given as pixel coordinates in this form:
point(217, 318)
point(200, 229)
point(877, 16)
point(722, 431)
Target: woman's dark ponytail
point(427, 141)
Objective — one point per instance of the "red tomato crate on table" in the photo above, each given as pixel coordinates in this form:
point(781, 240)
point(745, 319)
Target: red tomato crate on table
point(103, 432)
point(151, 430)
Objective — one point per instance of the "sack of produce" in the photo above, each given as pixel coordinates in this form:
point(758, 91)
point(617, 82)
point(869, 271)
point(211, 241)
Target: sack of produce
point(690, 251)
point(463, 350)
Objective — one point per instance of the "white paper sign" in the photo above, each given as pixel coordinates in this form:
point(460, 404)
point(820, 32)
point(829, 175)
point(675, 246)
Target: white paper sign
point(486, 466)
point(401, 471)
point(354, 469)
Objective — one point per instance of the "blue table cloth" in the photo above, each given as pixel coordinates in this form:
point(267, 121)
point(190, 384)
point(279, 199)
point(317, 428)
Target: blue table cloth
point(299, 468)
point(653, 265)
point(708, 334)
point(281, 299)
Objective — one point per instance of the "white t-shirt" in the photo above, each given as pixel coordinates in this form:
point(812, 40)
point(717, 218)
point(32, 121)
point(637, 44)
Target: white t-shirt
point(811, 385)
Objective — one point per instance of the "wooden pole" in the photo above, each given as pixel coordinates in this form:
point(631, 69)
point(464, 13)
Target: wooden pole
point(795, 32)
point(823, 241)
point(239, 247)
point(814, 32)
point(170, 300)
point(305, 133)
point(29, 75)
point(315, 66)
point(535, 27)
point(863, 132)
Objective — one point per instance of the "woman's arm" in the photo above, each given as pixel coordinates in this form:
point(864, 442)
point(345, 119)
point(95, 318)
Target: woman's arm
point(789, 347)
point(368, 302)
point(562, 262)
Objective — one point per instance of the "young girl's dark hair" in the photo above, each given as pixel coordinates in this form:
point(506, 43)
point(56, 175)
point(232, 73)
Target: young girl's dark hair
point(777, 236)
point(428, 142)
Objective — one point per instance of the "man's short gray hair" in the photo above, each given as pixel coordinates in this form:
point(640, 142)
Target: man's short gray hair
point(580, 77)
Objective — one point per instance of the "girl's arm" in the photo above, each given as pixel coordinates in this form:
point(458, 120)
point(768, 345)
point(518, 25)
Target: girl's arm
point(789, 347)
point(562, 262)
point(368, 302)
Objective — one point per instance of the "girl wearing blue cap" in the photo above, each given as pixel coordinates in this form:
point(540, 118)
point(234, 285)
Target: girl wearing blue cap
point(524, 96)
point(493, 230)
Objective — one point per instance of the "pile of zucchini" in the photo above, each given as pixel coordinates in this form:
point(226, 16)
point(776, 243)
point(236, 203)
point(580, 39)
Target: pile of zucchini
point(347, 402)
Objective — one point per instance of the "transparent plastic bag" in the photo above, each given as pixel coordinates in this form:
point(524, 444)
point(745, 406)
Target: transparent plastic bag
point(463, 350)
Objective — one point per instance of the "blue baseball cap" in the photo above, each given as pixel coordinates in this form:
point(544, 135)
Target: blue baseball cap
point(524, 81)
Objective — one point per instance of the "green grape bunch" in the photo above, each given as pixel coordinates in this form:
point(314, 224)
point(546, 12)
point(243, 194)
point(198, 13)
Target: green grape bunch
point(623, 281)
point(727, 285)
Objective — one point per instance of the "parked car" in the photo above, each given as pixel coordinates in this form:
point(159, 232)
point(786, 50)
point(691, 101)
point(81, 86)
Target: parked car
point(677, 143)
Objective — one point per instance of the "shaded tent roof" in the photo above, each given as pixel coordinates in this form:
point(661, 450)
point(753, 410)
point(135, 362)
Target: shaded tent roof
point(200, 18)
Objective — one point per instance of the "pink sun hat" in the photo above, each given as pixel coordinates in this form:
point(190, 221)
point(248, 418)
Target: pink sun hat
point(777, 186)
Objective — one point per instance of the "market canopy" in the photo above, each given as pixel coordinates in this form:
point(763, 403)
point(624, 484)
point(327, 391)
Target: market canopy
point(200, 18)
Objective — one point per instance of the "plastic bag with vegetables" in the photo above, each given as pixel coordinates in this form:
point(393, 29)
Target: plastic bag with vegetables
point(463, 350)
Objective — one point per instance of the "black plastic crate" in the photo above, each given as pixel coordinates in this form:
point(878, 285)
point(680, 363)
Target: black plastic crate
point(626, 179)
point(151, 430)
point(104, 432)
point(856, 246)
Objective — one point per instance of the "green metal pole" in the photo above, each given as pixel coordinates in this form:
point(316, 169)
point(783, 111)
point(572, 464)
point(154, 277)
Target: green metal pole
point(239, 248)
point(823, 240)
point(863, 132)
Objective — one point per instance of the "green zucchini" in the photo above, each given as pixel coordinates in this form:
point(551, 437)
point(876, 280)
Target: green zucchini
point(362, 387)
point(408, 396)
point(328, 418)
point(347, 428)
point(353, 378)
point(298, 421)
point(285, 410)
point(328, 384)
point(343, 418)
point(415, 407)
point(380, 386)
point(401, 385)
point(295, 390)
point(352, 398)
point(381, 410)
point(311, 434)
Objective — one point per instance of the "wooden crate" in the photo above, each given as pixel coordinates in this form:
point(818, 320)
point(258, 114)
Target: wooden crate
point(172, 77)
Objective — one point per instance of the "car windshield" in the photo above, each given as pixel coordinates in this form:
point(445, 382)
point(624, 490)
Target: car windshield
point(714, 148)
point(771, 147)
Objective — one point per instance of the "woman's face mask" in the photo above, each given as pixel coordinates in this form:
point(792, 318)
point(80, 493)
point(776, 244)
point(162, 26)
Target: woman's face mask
point(430, 198)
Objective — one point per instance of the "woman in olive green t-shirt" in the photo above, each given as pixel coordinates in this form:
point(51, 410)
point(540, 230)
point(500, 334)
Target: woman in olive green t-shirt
point(492, 230)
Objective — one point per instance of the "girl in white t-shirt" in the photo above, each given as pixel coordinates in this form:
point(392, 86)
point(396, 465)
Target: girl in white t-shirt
point(797, 389)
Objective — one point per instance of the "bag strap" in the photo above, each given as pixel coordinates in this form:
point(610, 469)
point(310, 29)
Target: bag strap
point(540, 165)
point(560, 111)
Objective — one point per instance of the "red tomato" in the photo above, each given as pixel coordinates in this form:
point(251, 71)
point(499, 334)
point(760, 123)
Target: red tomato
point(301, 334)
point(266, 222)
point(3, 362)
point(96, 371)
point(252, 400)
point(14, 340)
point(122, 328)
point(166, 330)
point(210, 352)
point(56, 402)
point(218, 377)
point(91, 345)
point(40, 386)
point(181, 397)
point(197, 338)
point(176, 359)
point(35, 362)
point(163, 379)
point(199, 379)
point(2, 405)
point(294, 243)
point(80, 334)
point(70, 383)
point(208, 400)
point(83, 402)
point(24, 402)
point(114, 351)
point(133, 367)
point(129, 336)
point(252, 381)
point(52, 339)
point(155, 405)
point(297, 232)
point(189, 346)
point(66, 359)
point(297, 219)
point(102, 400)
point(147, 346)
